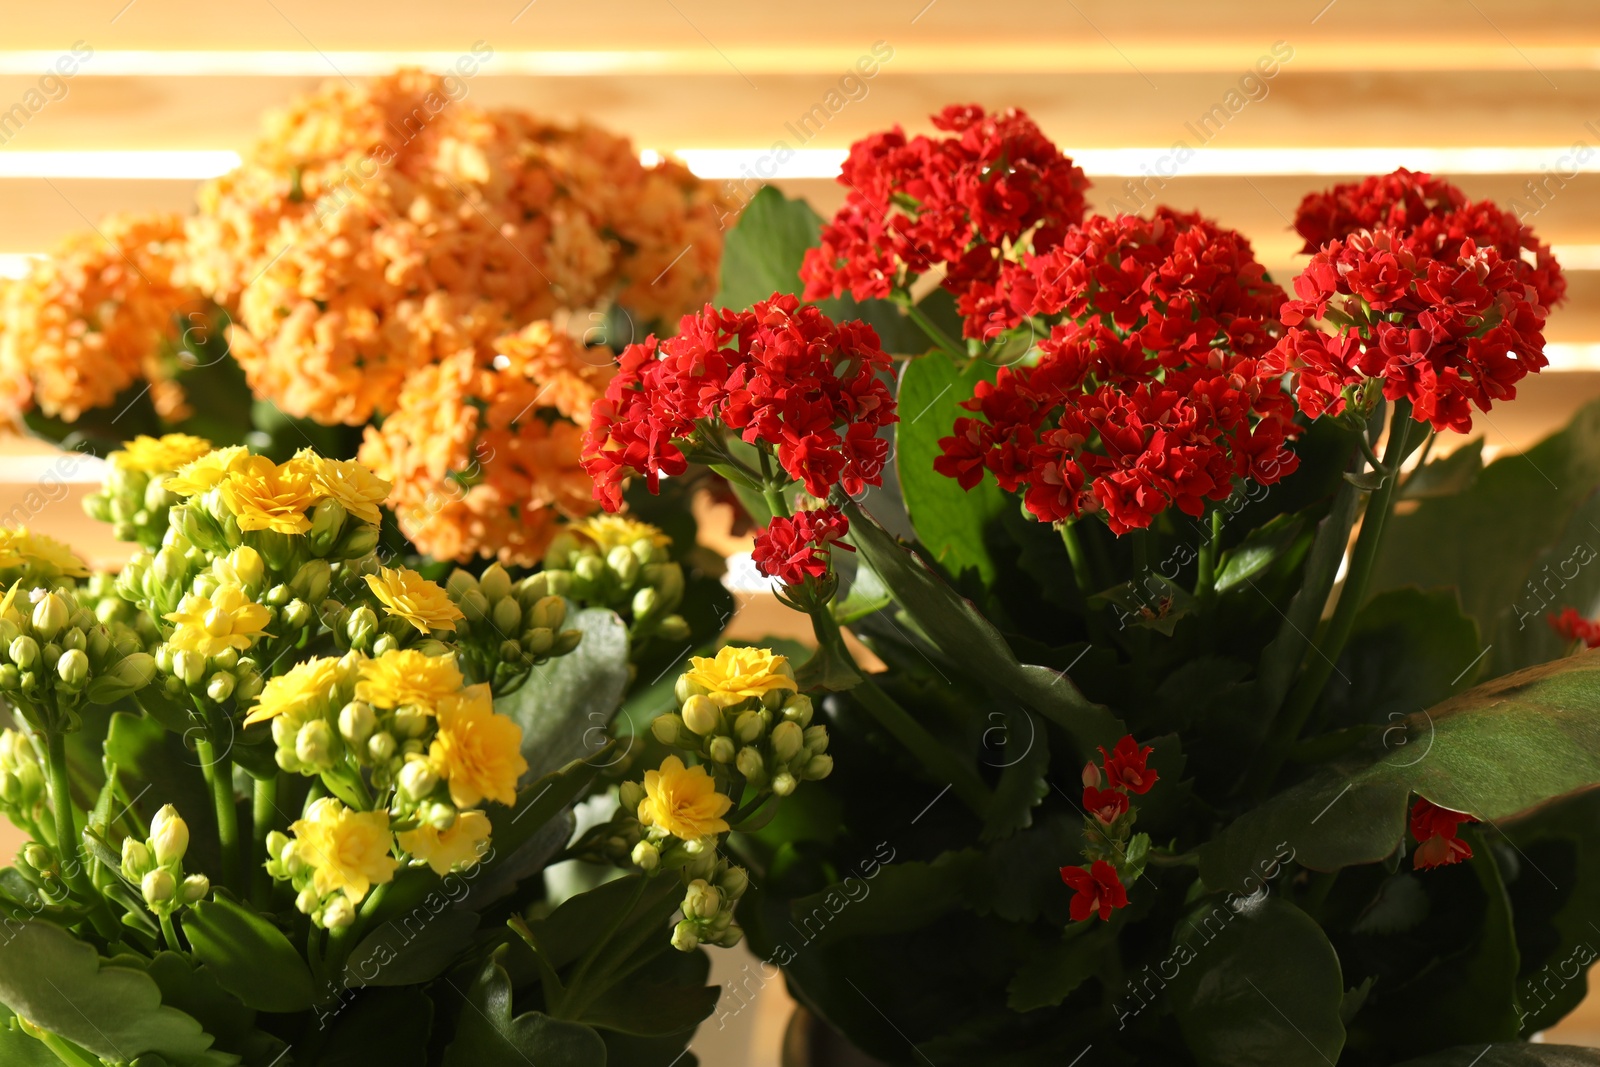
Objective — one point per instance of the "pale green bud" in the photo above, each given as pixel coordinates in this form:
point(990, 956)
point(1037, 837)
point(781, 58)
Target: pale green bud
point(669, 729)
point(733, 882)
point(729, 937)
point(818, 768)
point(629, 795)
point(566, 641)
point(624, 563)
point(246, 564)
point(539, 641)
point(417, 779)
point(381, 746)
point(327, 519)
point(748, 726)
point(784, 783)
point(135, 670)
point(816, 739)
point(310, 583)
point(189, 666)
point(549, 612)
point(798, 709)
point(219, 686)
point(673, 628)
point(249, 685)
point(702, 901)
point(384, 643)
point(357, 721)
point(136, 859)
point(313, 743)
point(459, 583)
point(751, 765)
point(787, 741)
point(721, 749)
point(159, 888)
point(410, 721)
point(37, 856)
point(49, 616)
point(474, 605)
point(195, 887)
point(645, 601)
point(339, 913)
point(306, 901)
point(73, 668)
point(297, 614)
point(646, 856)
point(359, 541)
point(701, 715)
point(494, 583)
point(277, 840)
point(686, 936)
point(507, 615)
point(441, 816)
point(169, 835)
point(75, 638)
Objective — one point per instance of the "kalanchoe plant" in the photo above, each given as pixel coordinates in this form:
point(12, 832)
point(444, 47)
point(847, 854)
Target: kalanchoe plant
point(1221, 788)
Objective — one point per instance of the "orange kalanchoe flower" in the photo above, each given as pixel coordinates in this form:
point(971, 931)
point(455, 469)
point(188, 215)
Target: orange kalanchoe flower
point(479, 466)
point(88, 321)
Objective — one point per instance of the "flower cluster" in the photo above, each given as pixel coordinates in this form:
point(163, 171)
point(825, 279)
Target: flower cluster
point(506, 628)
point(432, 748)
point(1435, 829)
point(36, 559)
point(55, 655)
point(1150, 390)
point(485, 456)
point(1435, 220)
point(1573, 627)
point(89, 320)
point(741, 708)
point(795, 549)
point(389, 225)
point(782, 375)
point(962, 204)
point(616, 562)
point(1110, 845)
point(155, 865)
point(133, 498)
point(1446, 331)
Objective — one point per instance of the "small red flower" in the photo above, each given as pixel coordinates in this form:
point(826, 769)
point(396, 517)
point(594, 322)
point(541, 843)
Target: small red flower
point(1574, 627)
point(1096, 890)
point(1125, 766)
point(1435, 830)
point(1107, 805)
point(792, 550)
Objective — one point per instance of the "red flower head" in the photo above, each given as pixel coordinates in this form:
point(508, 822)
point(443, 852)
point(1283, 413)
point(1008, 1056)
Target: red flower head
point(1446, 330)
point(1125, 766)
point(1096, 890)
point(782, 375)
point(1149, 391)
point(1107, 805)
point(958, 202)
point(1435, 219)
point(792, 550)
point(1574, 627)
point(1435, 830)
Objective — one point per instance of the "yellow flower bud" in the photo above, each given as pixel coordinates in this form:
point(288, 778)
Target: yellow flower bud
point(646, 856)
point(73, 668)
point(494, 583)
point(700, 715)
point(787, 741)
point(49, 616)
point(136, 858)
point(169, 836)
point(159, 888)
point(194, 888)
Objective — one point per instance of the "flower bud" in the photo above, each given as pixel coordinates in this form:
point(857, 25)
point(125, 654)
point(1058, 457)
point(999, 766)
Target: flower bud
point(721, 749)
point(327, 519)
point(588, 569)
point(669, 729)
point(358, 541)
point(787, 741)
point(784, 783)
point(37, 856)
point(459, 582)
point(673, 628)
point(410, 721)
point(701, 715)
point(75, 638)
point(624, 563)
point(10, 677)
point(1091, 774)
point(338, 913)
point(539, 641)
point(219, 686)
point(383, 644)
point(667, 580)
point(381, 746)
point(310, 583)
point(24, 651)
point(733, 882)
point(169, 835)
point(702, 901)
point(730, 937)
point(566, 641)
point(816, 739)
point(748, 726)
point(441, 816)
point(189, 666)
point(306, 900)
point(507, 615)
point(645, 601)
point(159, 888)
point(49, 656)
point(417, 779)
point(313, 742)
point(798, 709)
point(246, 565)
point(357, 721)
point(277, 841)
point(646, 856)
point(136, 859)
point(135, 670)
point(629, 794)
point(297, 614)
point(549, 612)
point(474, 605)
point(73, 668)
point(277, 596)
point(49, 616)
point(686, 936)
point(751, 765)
point(10, 789)
point(194, 888)
point(494, 583)
point(817, 768)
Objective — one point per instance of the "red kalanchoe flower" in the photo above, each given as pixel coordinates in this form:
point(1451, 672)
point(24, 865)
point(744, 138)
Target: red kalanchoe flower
point(792, 550)
point(959, 202)
point(1435, 219)
point(1125, 766)
point(1096, 890)
point(1574, 627)
point(1107, 805)
point(1149, 392)
point(1435, 830)
point(1446, 334)
point(782, 375)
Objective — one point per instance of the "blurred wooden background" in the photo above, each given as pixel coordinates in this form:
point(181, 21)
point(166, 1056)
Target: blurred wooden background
point(1502, 95)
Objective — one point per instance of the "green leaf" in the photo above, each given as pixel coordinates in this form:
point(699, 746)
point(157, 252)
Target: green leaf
point(825, 669)
point(1515, 1054)
point(1155, 603)
point(652, 1009)
point(970, 643)
point(18, 1049)
point(57, 982)
point(1257, 986)
point(523, 837)
point(1056, 969)
point(191, 988)
point(144, 750)
point(762, 253)
point(867, 596)
point(1495, 751)
point(488, 1036)
point(1447, 475)
point(251, 958)
point(566, 706)
point(378, 1026)
point(566, 933)
point(952, 523)
point(1023, 753)
point(413, 948)
point(900, 897)
point(1260, 549)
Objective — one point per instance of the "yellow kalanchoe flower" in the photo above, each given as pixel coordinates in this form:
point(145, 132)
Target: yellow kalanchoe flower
point(301, 687)
point(476, 751)
point(408, 595)
point(197, 476)
point(348, 851)
point(44, 557)
point(735, 674)
point(683, 801)
point(264, 496)
point(610, 531)
point(406, 676)
point(169, 452)
point(353, 486)
point(457, 848)
point(226, 619)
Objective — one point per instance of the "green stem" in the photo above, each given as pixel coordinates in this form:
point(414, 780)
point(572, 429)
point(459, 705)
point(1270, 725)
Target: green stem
point(935, 332)
point(264, 816)
point(69, 846)
point(169, 932)
point(1205, 584)
point(1084, 581)
point(1304, 696)
point(218, 769)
